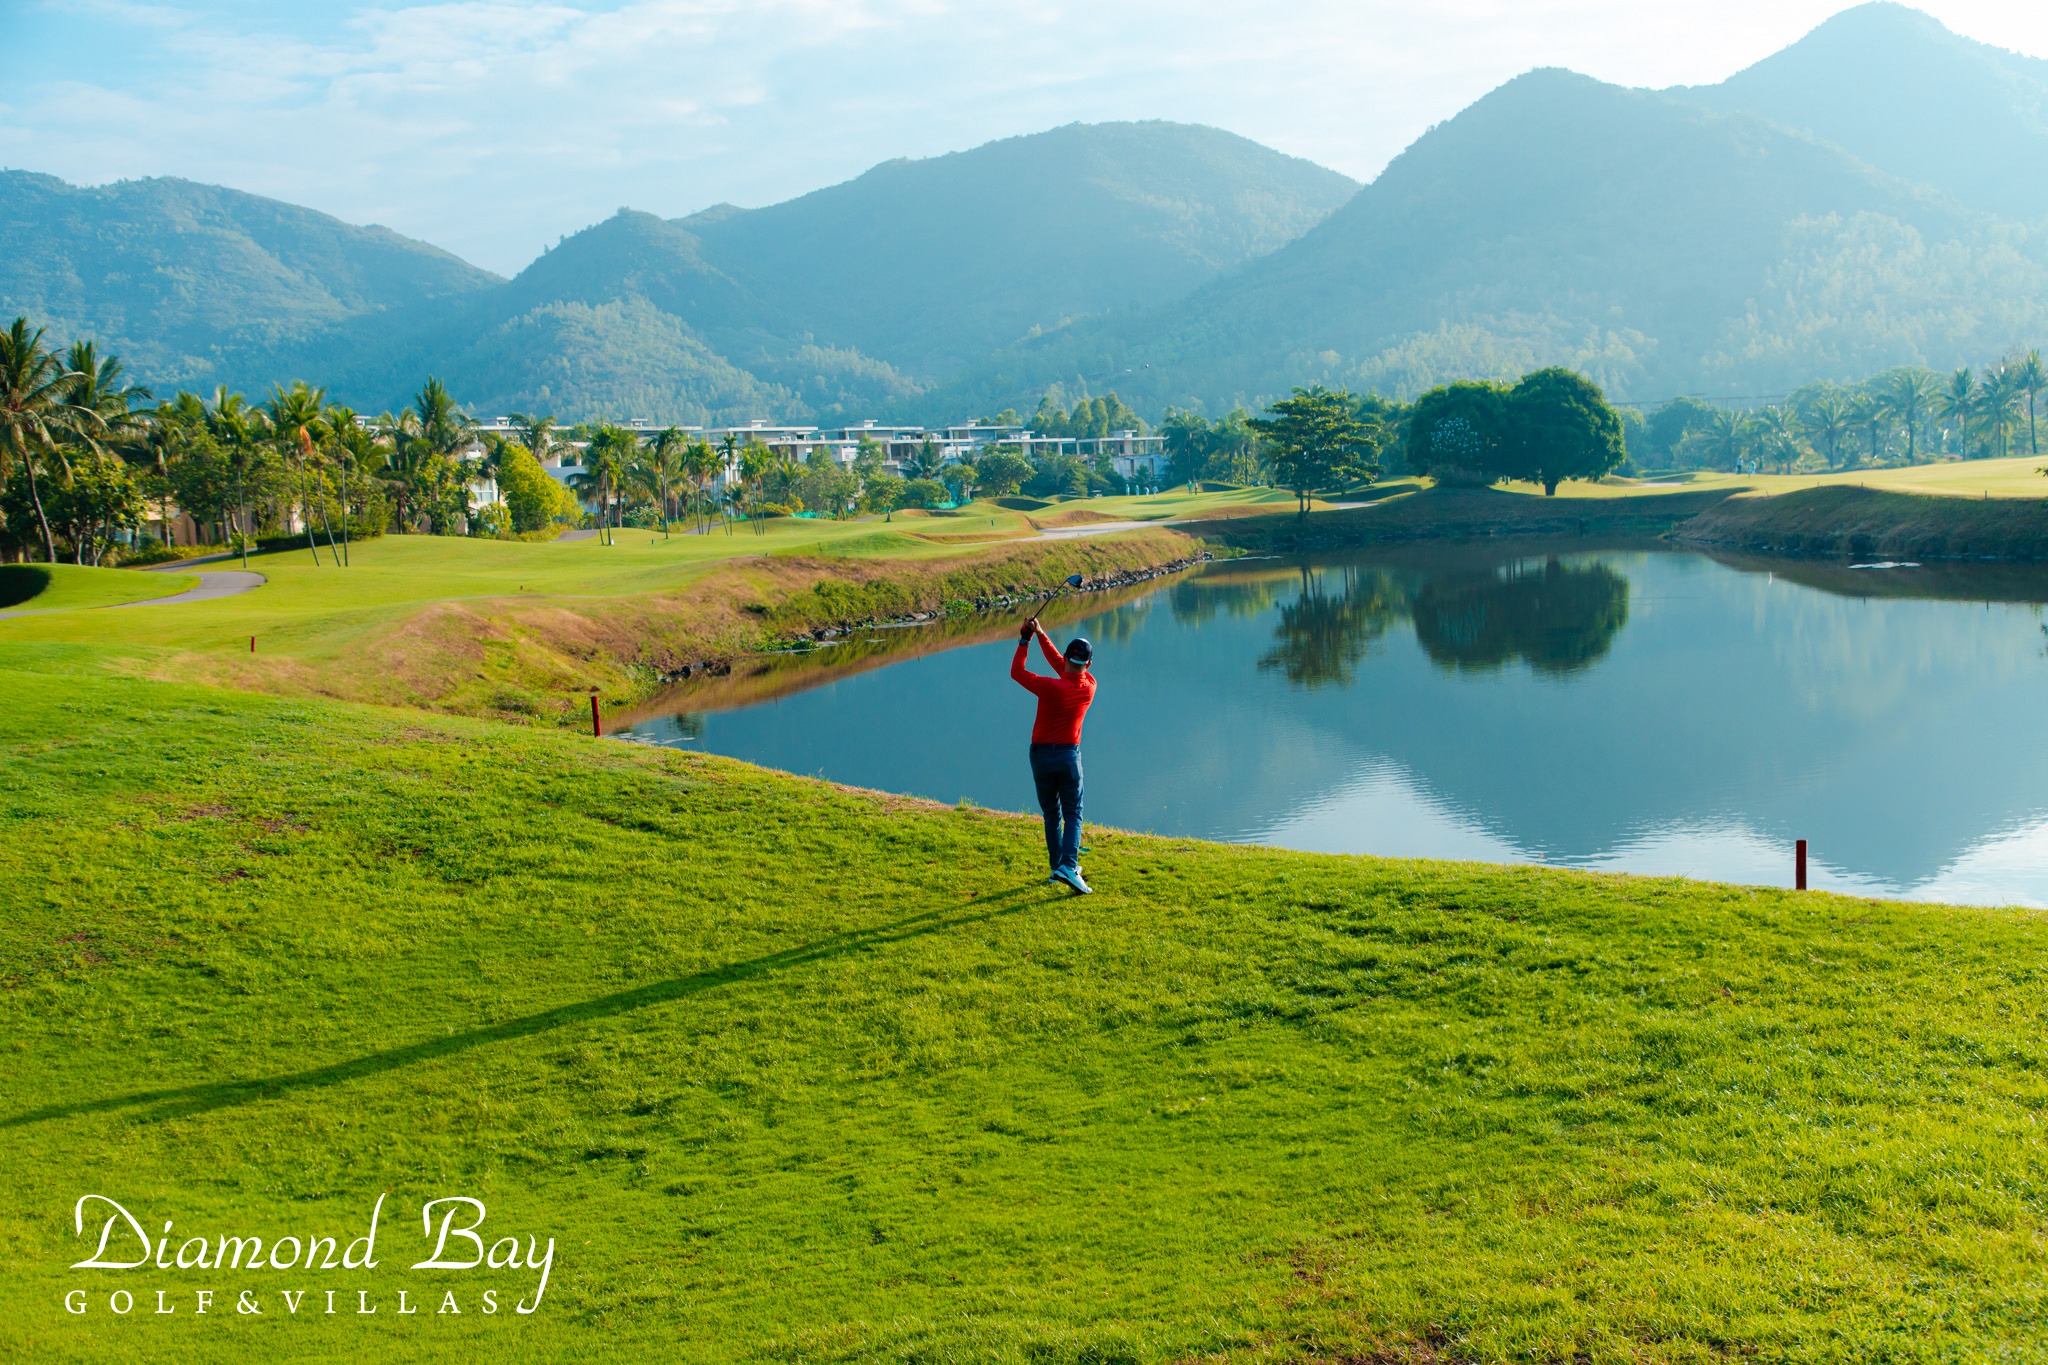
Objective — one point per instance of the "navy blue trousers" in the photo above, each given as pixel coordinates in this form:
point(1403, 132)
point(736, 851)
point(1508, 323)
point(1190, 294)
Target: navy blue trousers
point(1056, 770)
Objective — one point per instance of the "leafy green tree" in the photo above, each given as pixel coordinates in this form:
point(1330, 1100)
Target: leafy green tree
point(921, 493)
point(1457, 433)
point(1563, 428)
point(98, 497)
point(1188, 446)
point(1314, 440)
point(1671, 424)
point(1002, 472)
point(37, 415)
point(882, 492)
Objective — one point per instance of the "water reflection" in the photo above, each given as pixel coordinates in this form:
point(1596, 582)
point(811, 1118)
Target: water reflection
point(1632, 708)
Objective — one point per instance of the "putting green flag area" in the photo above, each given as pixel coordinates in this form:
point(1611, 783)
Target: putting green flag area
point(356, 1033)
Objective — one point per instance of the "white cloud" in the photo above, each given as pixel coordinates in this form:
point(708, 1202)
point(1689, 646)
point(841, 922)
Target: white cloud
point(491, 127)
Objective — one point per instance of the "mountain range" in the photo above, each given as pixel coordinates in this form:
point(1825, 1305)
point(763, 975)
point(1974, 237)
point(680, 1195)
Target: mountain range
point(1861, 199)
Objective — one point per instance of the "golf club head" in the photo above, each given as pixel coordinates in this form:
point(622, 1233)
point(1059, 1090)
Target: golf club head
point(1073, 580)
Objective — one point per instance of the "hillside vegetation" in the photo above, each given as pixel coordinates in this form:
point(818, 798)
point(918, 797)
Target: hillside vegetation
point(196, 283)
point(1661, 242)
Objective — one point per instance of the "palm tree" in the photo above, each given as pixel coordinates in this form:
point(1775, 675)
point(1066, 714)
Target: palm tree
point(238, 429)
point(1825, 420)
point(355, 447)
point(1910, 395)
point(662, 465)
point(729, 468)
point(1722, 439)
point(2032, 377)
point(295, 418)
point(99, 385)
point(537, 434)
point(701, 466)
point(1958, 403)
point(1777, 433)
point(1998, 397)
point(1873, 415)
point(611, 453)
point(37, 414)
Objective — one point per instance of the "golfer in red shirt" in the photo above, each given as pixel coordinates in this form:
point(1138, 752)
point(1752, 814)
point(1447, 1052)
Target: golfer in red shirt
point(1056, 744)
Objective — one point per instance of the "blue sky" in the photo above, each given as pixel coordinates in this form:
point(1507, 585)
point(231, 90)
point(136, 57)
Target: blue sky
point(492, 128)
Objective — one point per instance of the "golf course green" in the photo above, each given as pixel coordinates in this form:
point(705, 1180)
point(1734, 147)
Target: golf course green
point(781, 1071)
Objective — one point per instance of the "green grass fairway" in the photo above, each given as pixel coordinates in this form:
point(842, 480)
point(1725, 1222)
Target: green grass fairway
point(791, 1073)
point(68, 587)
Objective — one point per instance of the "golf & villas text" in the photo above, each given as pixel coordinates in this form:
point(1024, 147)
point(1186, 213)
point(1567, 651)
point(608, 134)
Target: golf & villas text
point(304, 1271)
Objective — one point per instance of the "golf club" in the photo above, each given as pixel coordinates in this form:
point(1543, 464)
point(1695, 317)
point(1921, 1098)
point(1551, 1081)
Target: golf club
point(1072, 581)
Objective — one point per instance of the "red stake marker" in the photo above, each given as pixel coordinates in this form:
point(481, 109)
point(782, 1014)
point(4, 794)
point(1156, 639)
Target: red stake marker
point(252, 644)
point(597, 729)
point(1799, 866)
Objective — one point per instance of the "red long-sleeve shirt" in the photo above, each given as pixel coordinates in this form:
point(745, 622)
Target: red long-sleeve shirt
point(1062, 699)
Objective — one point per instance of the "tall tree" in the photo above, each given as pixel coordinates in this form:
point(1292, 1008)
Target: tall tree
point(661, 466)
point(2033, 379)
point(1911, 395)
point(295, 419)
point(1825, 420)
point(537, 434)
point(1563, 428)
point(1187, 439)
point(1998, 400)
point(1315, 440)
point(37, 414)
point(238, 430)
point(1958, 404)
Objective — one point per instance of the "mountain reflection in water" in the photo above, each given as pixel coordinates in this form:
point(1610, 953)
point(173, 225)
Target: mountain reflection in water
point(1637, 709)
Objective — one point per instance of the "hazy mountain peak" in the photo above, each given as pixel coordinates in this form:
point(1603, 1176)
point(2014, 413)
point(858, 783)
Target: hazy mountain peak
point(1897, 89)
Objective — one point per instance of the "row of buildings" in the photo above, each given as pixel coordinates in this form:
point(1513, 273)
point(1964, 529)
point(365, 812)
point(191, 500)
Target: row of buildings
point(1132, 455)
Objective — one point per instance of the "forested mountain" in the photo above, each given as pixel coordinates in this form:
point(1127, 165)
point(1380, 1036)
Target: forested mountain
point(930, 265)
point(848, 300)
point(1654, 240)
point(1869, 197)
point(1894, 88)
point(176, 276)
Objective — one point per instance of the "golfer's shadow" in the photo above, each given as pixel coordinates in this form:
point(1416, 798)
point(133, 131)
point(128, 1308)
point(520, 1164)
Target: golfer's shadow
point(198, 1099)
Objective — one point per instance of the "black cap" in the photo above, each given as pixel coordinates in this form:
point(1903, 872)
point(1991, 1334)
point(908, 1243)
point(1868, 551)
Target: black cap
point(1080, 651)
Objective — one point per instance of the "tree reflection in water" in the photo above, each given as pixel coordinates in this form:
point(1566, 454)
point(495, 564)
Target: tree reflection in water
point(1323, 634)
point(1557, 617)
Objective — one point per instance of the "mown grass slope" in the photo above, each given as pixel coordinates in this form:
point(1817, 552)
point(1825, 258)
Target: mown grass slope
point(798, 1073)
point(72, 587)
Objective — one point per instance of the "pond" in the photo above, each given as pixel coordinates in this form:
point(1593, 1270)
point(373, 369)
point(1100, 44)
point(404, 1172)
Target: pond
point(1627, 708)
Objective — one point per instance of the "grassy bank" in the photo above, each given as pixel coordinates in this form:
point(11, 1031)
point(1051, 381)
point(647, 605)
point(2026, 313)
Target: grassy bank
point(793, 1073)
point(1465, 514)
point(1845, 520)
point(529, 631)
point(70, 587)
